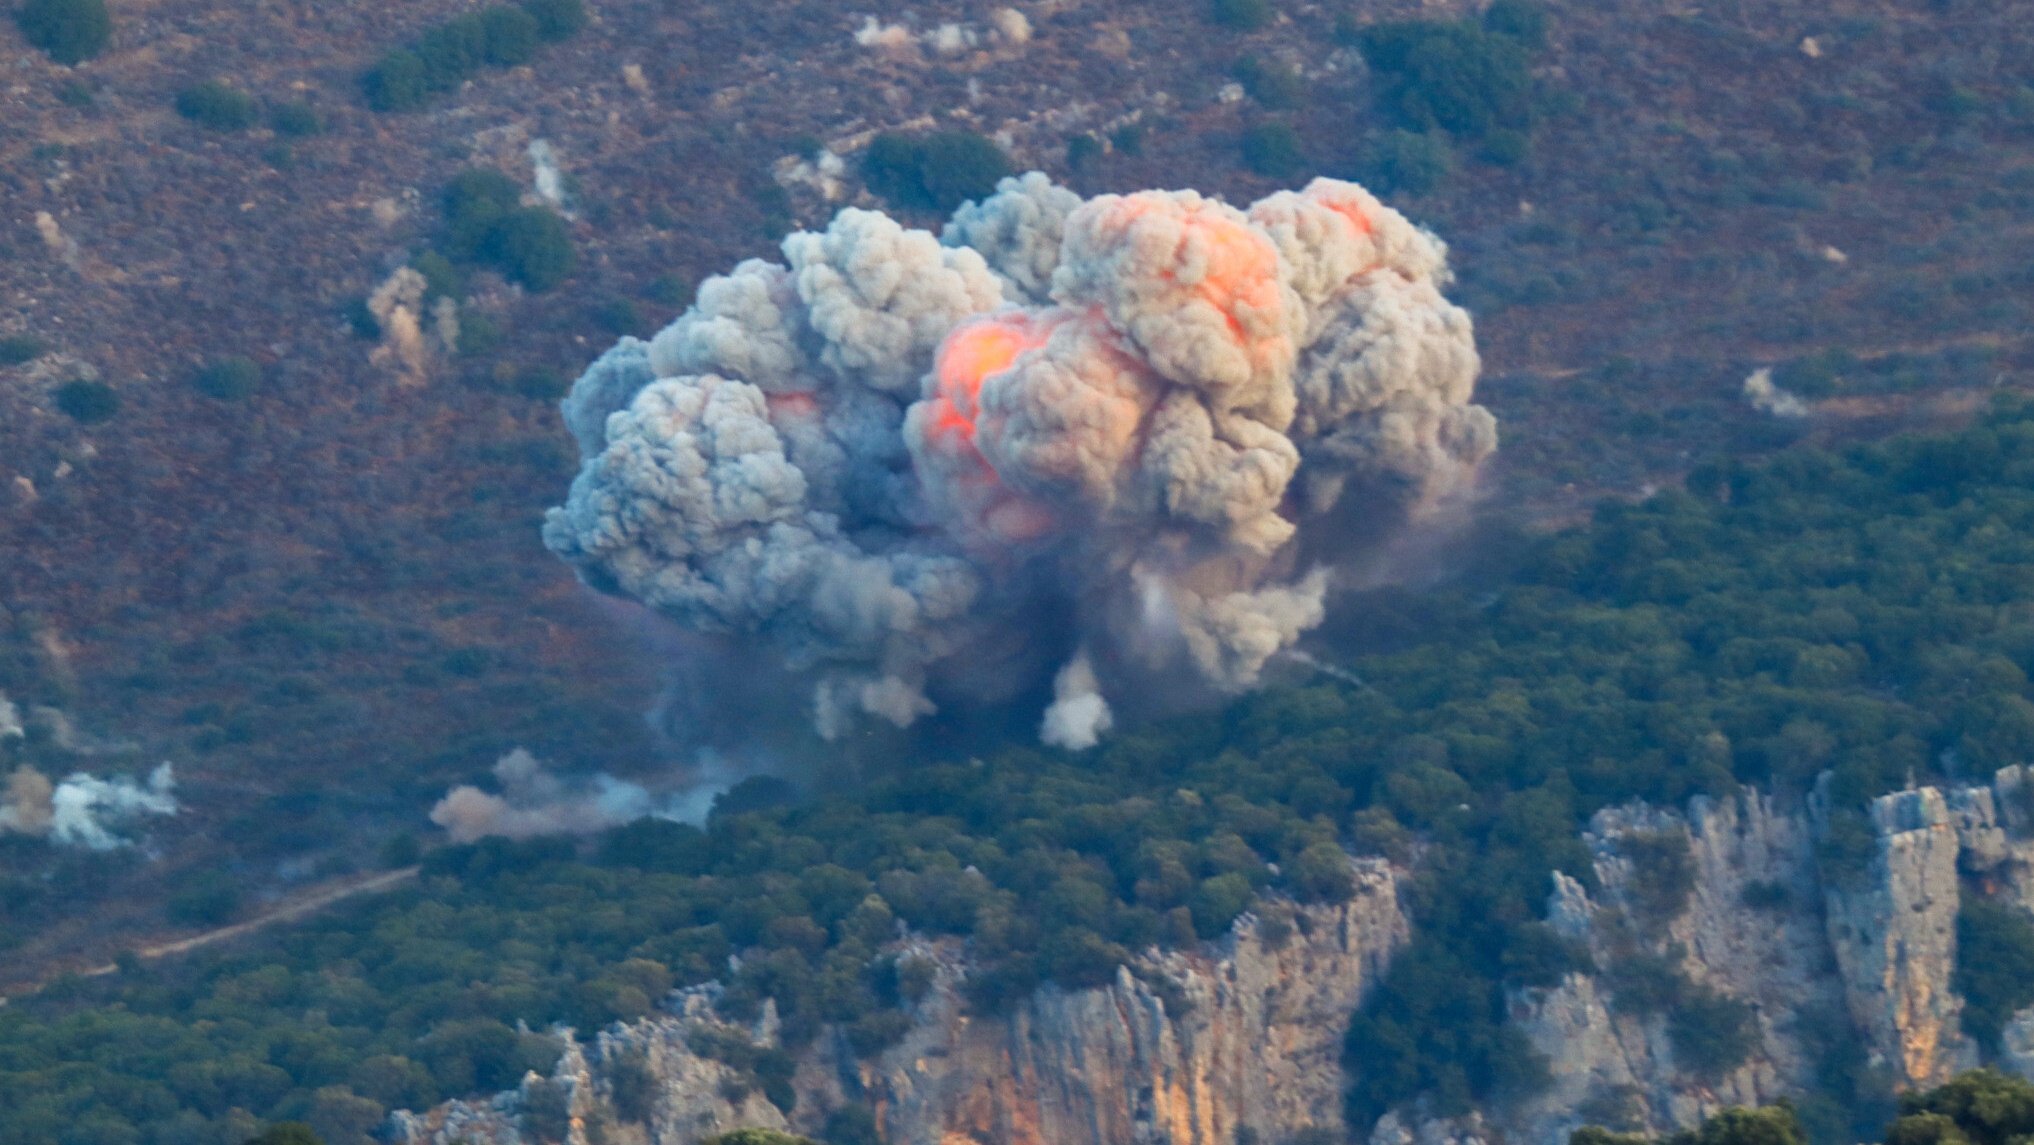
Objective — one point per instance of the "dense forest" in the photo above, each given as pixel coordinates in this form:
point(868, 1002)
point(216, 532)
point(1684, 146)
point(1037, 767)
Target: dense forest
point(1862, 613)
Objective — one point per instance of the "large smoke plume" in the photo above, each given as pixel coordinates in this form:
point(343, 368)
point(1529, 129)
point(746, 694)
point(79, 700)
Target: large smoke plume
point(1099, 441)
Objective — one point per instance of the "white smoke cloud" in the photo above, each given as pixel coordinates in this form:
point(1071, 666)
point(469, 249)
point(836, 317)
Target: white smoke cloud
point(1079, 716)
point(1768, 396)
point(83, 810)
point(534, 802)
point(920, 467)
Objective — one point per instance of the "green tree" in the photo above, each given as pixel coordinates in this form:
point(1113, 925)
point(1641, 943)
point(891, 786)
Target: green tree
point(935, 172)
point(1994, 966)
point(531, 246)
point(228, 379)
point(87, 403)
point(217, 106)
point(71, 31)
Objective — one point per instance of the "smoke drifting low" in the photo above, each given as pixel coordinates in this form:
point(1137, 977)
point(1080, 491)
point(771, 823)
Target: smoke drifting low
point(83, 810)
point(535, 802)
point(1096, 442)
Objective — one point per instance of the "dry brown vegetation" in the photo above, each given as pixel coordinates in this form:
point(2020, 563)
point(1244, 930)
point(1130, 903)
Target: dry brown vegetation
point(326, 601)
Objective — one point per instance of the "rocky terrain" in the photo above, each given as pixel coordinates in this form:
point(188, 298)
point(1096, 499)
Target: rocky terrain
point(1240, 1040)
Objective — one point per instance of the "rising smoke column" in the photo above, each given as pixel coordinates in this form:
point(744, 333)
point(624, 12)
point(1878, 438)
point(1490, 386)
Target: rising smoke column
point(83, 810)
point(1092, 431)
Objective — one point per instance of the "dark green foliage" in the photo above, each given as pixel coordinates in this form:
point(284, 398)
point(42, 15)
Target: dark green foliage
point(1241, 15)
point(1663, 874)
point(618, 316)
point(286, 1133)
point(1082, 153)
point(1985, 1106)
point(18, 348)
point(296, 119)
point(228, 379)
point(447, 55)
point(76, 92)
point(1407, 161)
point(396, 82)
point(1712, 1033)
point(528, 245)
point(1767, 896)
point(758, 1137)
point(360, 320)
point(1856, 612)
point(217, 106)
point(210, 900)
point(479, 333)
point(851, 1125)
point(1273, 150)
point(1455, 77)
point(87, 403)
point(1523, 21)
point(531, 246)
point(441, 278)
point(935, 172)
point(71, 31)
point(1994, 966)
point(1273, 85)
point(556, 19)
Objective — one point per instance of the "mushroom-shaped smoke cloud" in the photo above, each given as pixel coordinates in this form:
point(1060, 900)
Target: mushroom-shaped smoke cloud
point(1069, 438)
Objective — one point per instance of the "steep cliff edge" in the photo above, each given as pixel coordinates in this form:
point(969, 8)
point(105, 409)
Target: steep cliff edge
point(1728, 963)
point(1238, 1040)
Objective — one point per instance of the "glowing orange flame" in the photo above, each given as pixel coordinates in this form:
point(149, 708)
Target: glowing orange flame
point(969, 355)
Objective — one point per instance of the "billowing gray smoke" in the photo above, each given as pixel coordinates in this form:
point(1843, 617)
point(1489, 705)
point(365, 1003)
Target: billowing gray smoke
point(83, 810)
point(1066, 437)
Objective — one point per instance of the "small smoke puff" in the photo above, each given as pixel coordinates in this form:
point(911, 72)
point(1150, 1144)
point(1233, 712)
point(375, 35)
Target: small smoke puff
point(878, 36)
point(1767, 396)
point(950, 39)
point(26, 807)
point(535, 802)
point(546, 178)
point(10, 719)
point(397, 304)
point(897, 460)
point(1011, 26)
point(1079, 716)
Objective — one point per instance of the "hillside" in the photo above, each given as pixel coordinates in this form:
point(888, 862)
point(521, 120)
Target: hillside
point(271, 545)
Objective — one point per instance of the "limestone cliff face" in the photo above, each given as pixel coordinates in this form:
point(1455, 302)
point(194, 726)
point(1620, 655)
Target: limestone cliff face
point(1240, 1040)
point(1209, 1047)
point(1613, 1063)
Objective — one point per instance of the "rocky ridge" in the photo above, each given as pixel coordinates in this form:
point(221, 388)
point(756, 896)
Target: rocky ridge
point(1241, 1039)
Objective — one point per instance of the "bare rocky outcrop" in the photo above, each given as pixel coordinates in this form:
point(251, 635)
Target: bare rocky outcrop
point(1201, 1047)
point(1241, 1040)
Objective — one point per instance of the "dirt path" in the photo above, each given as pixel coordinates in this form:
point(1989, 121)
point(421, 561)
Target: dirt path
point(289, 910)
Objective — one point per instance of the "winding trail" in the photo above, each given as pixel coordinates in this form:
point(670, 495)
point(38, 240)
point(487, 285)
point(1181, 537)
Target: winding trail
point(289, 910)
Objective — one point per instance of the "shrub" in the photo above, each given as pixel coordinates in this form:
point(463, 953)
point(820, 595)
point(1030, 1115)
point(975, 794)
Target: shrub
point(936, 172)
point(447, 55)
point(1273, 85)
point(1712, 1033)
point(87, 403)
point(71, 31)
point(441, 278)
point(1273, 150)
point(1994, 967)
point(1082, 153)
point(228, 379)
point(18, 348)
point(76, 92)
point(479, 334)
point(1240, 15)
point(1452, 76)
point(396, 82)
point(294, 119)
point(531, 246)
point(210, 900)
point(556, 19)
point(1408, 161)
point(217, 106)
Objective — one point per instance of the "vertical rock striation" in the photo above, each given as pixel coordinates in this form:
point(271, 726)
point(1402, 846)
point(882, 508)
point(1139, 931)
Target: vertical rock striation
point(1241, 1040)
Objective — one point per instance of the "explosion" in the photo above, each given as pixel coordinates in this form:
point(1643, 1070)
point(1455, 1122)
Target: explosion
point(1067, 439)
